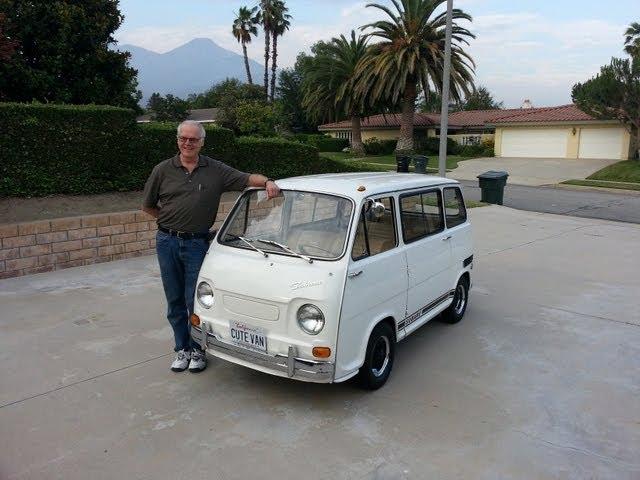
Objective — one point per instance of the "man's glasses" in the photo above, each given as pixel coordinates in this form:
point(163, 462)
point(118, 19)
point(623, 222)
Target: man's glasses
point(188, 139)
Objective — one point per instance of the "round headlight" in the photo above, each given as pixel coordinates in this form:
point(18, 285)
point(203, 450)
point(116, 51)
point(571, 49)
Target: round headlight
point(204, 294)
point(310, 319)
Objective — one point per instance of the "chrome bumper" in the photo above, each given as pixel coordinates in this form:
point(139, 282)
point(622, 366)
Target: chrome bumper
point(290, 365)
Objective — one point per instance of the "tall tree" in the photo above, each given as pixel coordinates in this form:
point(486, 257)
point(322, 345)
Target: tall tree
point(411, 53)
point(480, 99)
point(266, 19)
point(632, 40)
point(613, 94)
point(280, 24)
point(169, 108)
point(65, 54)
point(7, 45)
point(290, 96)
point(244, 27)
point(330, 81)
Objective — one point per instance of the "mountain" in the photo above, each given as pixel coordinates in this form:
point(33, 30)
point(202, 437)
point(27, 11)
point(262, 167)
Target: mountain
point(191, 68)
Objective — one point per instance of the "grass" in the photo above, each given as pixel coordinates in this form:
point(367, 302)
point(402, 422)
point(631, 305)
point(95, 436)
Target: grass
point(624, 175)
point(474, 204)
point(390, 160)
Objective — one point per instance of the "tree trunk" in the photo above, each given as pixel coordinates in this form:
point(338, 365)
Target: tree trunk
point(357, 147)
point(267, 45)
point(273, 67)
point(246, 63)
point(405, 142)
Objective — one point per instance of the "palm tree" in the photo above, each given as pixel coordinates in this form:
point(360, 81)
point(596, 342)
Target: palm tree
point(244, 27)
point(329, 82)
point(411, 54)
point(266, 19)
point(280, 24)
point(632, 40)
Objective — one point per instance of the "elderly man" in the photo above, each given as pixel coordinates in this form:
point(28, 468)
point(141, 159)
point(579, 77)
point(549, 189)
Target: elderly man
point(183, 193)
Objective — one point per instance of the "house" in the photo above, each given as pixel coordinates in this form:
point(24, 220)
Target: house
point(549, 132)
point(201, 115)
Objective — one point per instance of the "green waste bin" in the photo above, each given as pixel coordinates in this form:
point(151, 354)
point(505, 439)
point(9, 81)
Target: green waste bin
point(402, 163)
point(420, 162)
point(492, 185)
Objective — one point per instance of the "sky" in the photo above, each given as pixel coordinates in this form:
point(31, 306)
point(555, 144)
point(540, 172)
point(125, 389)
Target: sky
point(524, 49)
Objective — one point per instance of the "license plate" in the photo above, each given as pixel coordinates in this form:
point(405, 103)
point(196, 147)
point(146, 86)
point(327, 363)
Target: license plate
point(248, 336)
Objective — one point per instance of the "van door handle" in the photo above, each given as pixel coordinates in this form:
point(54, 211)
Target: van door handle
point(448, 237)
point(354, 274)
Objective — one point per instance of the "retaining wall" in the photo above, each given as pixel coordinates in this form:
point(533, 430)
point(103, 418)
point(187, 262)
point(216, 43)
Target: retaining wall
point(46, 245)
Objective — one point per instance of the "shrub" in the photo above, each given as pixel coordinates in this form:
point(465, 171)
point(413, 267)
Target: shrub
point(273, 157)
point(472, 150)
point(327, 144)
point(375, 146)
point(47, 149)
point(71, 149)
point(431, 146)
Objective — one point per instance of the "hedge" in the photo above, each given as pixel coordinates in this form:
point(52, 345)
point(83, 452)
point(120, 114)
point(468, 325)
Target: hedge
point(328, 144)
point(82, 149)
point(69, 149)
point(375, 146)
point(49, 149)
point(273, 157)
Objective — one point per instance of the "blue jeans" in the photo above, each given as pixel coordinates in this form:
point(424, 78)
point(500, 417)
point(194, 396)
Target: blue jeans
point(180, 262)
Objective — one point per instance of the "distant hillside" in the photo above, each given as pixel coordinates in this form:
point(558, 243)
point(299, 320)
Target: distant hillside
point(191, 68)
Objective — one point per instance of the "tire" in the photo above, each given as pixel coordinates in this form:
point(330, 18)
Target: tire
point(378, 360)
point(455, 311)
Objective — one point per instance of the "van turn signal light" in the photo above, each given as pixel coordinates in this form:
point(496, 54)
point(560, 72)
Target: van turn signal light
point(321, 352)
point(195, 320)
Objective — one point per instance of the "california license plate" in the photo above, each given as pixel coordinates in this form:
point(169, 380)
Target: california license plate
point(248, 336)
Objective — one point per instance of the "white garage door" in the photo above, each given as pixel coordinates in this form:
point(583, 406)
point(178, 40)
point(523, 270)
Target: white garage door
point(535, 142)
point(601, 143)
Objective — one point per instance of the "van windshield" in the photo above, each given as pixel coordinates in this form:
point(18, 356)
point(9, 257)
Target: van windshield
point(307, 224)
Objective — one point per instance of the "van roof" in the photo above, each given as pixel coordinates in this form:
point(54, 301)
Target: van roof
point(347, 184)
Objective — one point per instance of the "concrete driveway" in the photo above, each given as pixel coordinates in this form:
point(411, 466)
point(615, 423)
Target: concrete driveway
point(531, 171)
point(541, 379)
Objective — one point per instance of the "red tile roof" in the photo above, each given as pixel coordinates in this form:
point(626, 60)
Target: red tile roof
point(474, 118)
point(563, 113)
point(389, 120)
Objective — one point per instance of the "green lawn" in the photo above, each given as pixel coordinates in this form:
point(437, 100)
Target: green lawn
point(624, 175)
point(390, 160)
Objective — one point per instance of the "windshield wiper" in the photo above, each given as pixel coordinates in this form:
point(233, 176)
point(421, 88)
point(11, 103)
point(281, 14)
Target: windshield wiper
point(285, 248)
point(247, 242)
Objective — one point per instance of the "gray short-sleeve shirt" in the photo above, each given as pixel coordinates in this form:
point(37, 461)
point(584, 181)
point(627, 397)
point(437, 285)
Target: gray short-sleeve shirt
point(188, 202)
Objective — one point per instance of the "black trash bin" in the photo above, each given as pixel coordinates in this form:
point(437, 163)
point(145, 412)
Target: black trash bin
point(420, 162)
point(492, 185)
point(402, 163)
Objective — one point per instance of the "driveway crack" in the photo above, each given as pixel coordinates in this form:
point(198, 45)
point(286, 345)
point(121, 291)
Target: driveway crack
point(41, 394)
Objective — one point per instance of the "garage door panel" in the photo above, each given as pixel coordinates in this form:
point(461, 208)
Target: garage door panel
point(535, 142)
point(601, 143)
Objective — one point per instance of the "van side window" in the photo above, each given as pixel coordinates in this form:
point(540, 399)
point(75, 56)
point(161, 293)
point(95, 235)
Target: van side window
point(375, 234)
point(421, 215)
point(454, 208)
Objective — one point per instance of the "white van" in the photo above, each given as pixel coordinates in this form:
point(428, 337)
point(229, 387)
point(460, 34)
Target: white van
point(320, 283)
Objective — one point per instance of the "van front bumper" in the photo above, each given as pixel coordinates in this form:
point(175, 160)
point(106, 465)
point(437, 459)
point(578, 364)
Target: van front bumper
point(283, 365)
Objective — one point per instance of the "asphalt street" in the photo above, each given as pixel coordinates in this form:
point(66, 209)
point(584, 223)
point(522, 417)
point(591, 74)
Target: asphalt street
point(622, 206)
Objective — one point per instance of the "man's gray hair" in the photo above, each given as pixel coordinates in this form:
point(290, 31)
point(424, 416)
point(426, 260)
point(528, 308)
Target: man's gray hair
point(193, 123)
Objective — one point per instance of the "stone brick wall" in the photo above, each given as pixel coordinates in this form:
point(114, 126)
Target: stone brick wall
point(46, 245)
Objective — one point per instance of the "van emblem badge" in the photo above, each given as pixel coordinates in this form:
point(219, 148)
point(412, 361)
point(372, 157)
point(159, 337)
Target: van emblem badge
point(299, 285)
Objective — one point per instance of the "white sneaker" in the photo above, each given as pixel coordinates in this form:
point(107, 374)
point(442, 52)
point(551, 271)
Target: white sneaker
point(198, 361)
point(181, 361)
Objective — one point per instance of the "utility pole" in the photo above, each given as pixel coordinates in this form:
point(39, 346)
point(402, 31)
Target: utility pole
point(444, 111)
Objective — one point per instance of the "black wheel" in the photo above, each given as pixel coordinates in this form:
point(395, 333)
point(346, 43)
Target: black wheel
point(456, 310)
point(378, 360)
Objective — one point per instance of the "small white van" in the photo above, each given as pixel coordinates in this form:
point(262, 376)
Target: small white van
point(320, 283)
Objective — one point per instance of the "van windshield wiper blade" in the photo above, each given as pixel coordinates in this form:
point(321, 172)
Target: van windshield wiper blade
point(285, 248)
point(247, 242)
